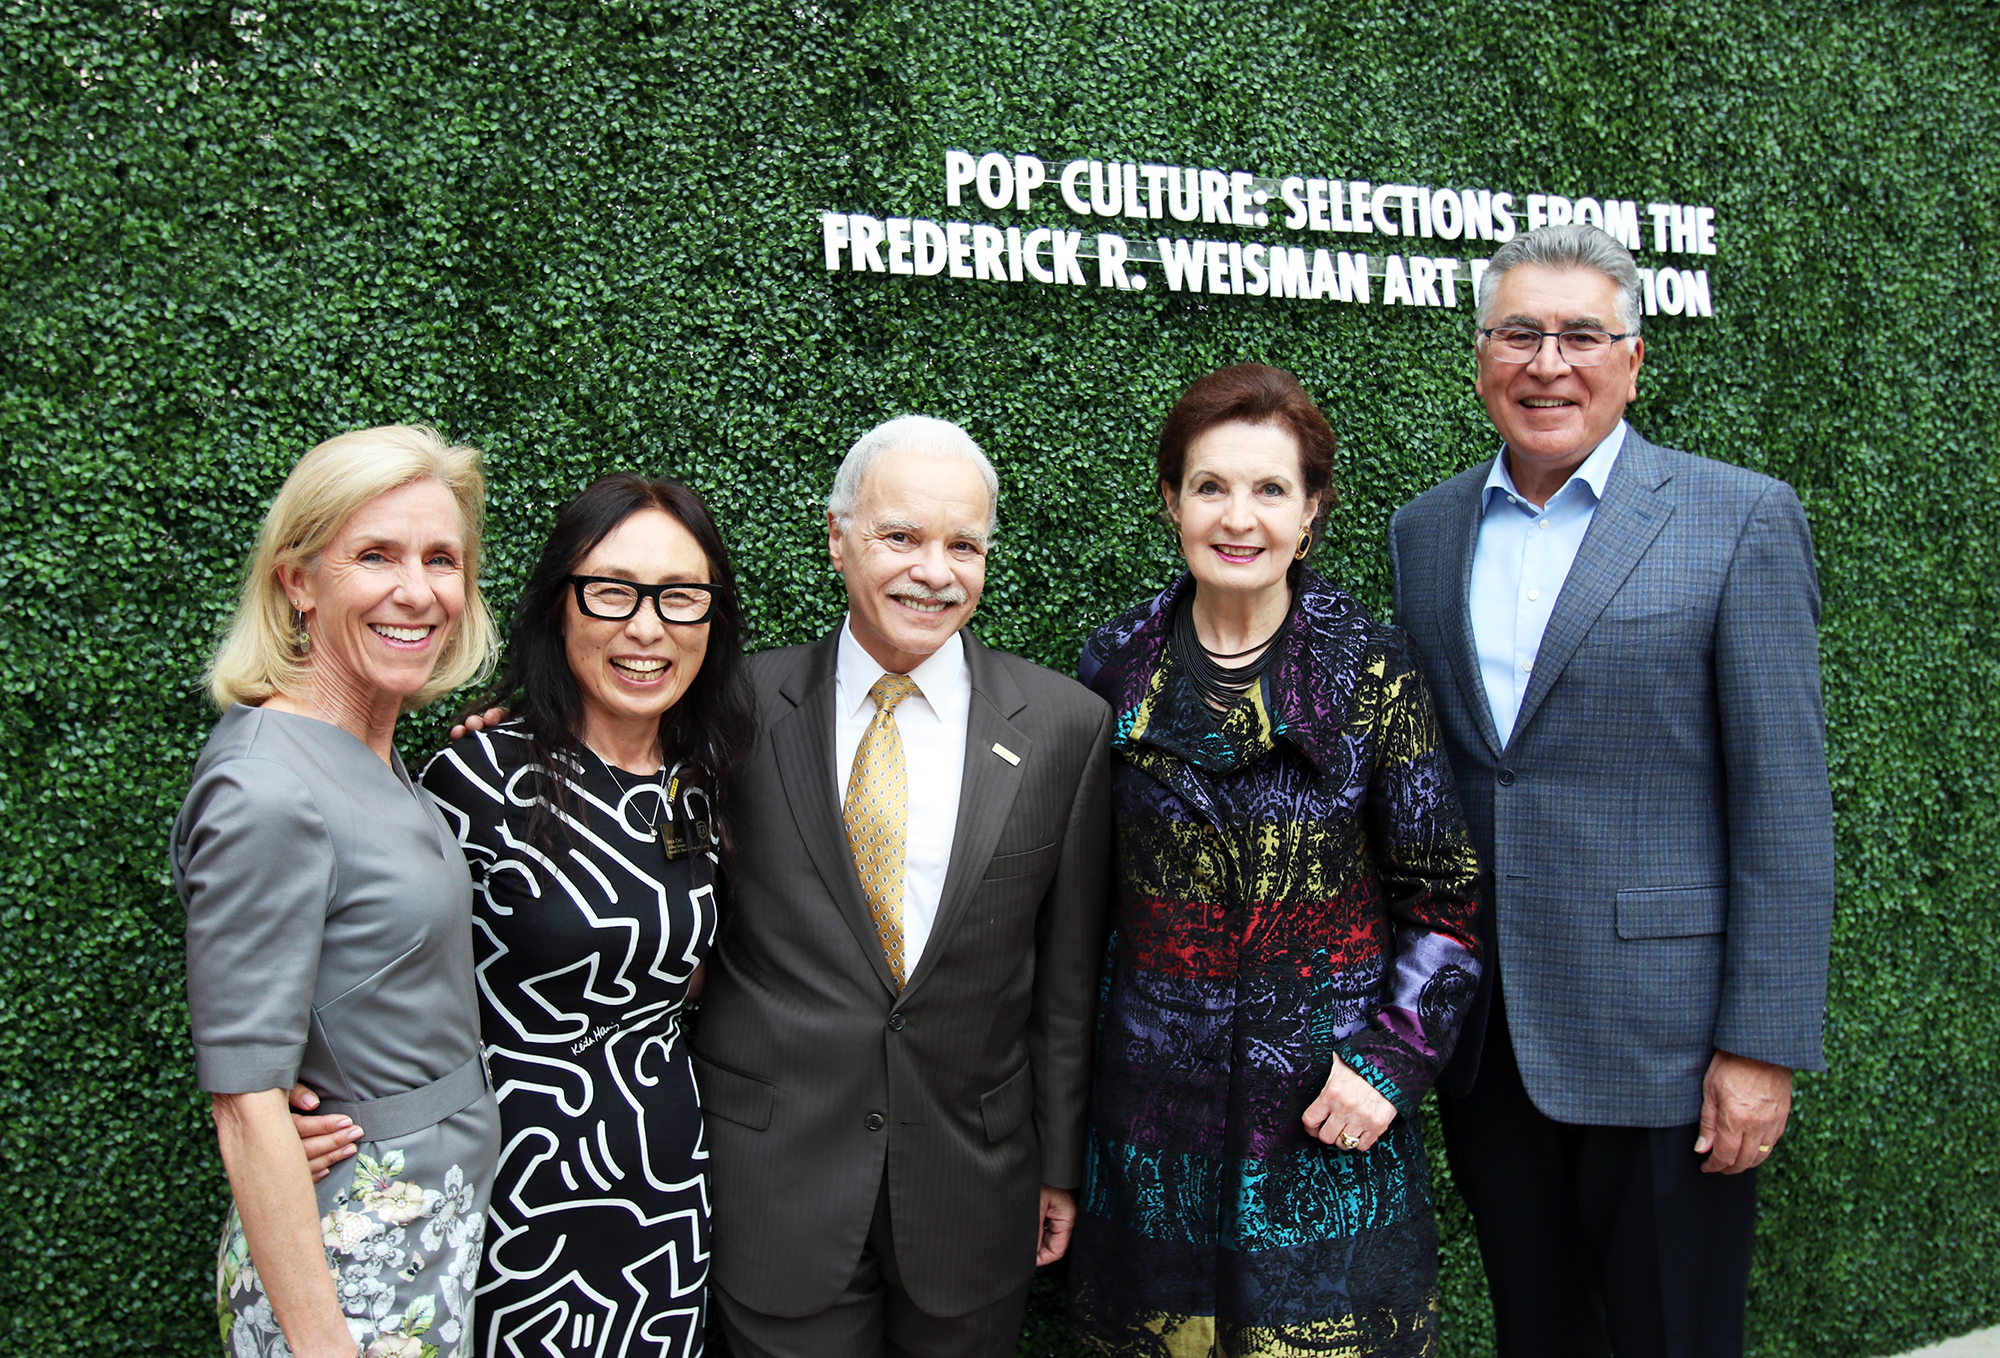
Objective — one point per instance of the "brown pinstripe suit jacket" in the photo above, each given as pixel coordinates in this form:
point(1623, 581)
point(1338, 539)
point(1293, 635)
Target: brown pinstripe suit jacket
point(969, 1089)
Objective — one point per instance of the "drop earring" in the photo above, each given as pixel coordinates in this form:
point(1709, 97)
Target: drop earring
point(1305, 545)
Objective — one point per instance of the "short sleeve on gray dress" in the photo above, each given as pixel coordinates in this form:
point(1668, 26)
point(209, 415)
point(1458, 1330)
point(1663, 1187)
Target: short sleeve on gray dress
point(257, 872)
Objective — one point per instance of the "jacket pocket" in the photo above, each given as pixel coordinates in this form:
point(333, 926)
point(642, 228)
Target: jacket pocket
point(1007, 1105)
point(1019, 864)
point(743, 1099)
point(1673, 628)
point(1645, 614)
point(1672, 911)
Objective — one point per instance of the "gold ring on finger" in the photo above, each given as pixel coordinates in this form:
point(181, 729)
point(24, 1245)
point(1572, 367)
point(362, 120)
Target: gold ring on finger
point(1351, 1141)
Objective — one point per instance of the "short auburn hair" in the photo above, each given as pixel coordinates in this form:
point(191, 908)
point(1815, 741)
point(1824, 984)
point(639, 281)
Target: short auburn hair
point(1252, 393)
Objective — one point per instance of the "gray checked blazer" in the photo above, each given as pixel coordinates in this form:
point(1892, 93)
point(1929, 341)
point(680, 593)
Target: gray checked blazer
point(1657, 826)
point(968, 1090)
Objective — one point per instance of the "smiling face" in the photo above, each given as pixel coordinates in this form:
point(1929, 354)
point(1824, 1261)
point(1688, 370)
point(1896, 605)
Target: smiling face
point(1553, 415)
point(629, 673)
point(1241, 508)
point(387, 592)
point(913, 555)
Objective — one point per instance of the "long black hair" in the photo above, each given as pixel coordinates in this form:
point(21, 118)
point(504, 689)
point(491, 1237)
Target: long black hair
point(712, 727)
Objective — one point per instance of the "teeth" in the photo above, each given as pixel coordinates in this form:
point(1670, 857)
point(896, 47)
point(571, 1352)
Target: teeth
point(1544, 404)
point(401, 633)
point(924, 605)
point(643, 668)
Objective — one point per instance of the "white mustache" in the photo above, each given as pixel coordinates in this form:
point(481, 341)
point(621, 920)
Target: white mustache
point(950, 594)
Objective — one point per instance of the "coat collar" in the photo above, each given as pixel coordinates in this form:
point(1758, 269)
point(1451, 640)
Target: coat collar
point(1621, 529)
point(802, 739)
point(823, 656)
point(1305, 698)
point(1465, 512)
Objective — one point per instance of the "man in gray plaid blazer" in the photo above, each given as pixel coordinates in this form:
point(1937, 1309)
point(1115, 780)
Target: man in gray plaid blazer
point(1621, 643)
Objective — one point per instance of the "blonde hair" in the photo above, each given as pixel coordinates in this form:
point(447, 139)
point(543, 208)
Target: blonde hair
point(261, 656)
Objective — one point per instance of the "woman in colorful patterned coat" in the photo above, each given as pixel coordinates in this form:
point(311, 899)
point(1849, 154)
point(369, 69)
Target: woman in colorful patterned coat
point(1293, 948)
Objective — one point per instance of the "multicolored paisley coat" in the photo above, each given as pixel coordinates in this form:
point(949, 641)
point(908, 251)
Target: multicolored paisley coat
point(1296, 888)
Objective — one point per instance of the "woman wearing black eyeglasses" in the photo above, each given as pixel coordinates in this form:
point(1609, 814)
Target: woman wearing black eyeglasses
point(594, 824)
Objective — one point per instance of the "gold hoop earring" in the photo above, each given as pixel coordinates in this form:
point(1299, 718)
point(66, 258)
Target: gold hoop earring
point(1305, 545)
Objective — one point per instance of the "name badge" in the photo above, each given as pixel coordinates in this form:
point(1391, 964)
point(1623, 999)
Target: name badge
point(681, 838)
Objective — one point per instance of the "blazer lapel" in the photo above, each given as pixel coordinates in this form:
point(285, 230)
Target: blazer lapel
point(985, 794)
point(1627, 520)
point(802, 741)
point(1461, 650)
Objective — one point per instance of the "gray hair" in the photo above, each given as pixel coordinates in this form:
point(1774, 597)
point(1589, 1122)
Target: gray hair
point(1575, 246)
point(907, 433)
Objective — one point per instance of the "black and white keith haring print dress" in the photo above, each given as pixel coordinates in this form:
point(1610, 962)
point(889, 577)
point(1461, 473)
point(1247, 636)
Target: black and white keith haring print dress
point(597, 1239)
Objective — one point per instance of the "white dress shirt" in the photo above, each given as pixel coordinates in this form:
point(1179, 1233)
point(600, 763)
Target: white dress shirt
point(932, 723)
point(1519, 565)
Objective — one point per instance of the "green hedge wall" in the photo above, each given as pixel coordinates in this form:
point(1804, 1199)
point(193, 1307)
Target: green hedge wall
point(585, 236)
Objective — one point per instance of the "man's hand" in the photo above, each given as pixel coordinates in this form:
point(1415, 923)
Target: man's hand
point(479, 721)
point(1348, 1113)
point(1058, 1221)
point(1744, 1105)
point(327, 1140)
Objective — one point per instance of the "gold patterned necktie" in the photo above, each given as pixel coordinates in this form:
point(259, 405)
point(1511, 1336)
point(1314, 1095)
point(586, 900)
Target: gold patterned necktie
point(878, 817)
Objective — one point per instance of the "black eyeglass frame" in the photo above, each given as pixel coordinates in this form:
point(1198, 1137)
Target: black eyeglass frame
point(1487, 332)
point(641, 594)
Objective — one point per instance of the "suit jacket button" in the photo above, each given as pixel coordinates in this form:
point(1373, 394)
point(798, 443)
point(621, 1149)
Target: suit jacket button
point(895, 1023)
point(1239, 821)
point(1506, 777)
point(873, 1122)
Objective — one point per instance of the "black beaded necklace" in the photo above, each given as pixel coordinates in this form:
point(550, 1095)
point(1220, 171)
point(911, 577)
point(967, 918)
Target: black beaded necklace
point(1220, 684)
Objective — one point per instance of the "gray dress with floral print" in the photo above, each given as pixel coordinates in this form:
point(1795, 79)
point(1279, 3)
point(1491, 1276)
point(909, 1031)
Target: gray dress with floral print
point(329, 940)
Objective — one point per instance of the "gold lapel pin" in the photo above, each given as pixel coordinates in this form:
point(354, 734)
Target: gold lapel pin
point(1006, 753)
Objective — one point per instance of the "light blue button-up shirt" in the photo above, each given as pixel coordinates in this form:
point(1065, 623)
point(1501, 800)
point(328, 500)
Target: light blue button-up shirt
point(1518, 567)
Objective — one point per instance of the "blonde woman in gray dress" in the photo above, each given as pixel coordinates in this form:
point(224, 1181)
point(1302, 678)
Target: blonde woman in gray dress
point(329, 912)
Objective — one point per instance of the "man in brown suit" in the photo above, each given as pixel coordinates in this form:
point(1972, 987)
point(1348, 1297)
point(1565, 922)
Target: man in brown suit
point(894, 1044)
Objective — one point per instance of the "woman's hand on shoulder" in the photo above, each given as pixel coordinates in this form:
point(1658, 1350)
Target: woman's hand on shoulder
point(1349, 1112)
point(479, 721)
point(328, 1138)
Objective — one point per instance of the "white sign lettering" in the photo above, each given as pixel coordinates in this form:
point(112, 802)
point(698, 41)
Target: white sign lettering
point(1129, 258)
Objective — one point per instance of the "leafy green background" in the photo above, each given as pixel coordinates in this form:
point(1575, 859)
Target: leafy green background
point(584, 236)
